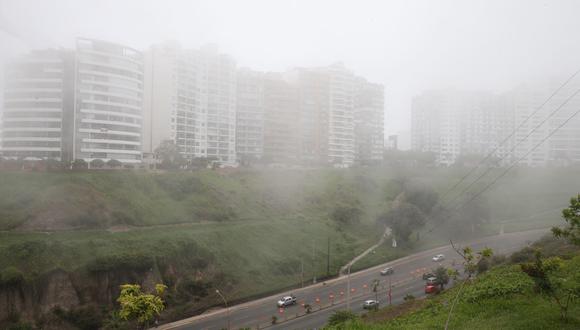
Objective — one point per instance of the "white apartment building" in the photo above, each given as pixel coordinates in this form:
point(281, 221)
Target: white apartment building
point(66, 105)
point(35, 102)
point(563, 147)
point(250, 115)
point(109, 100)
point(341, 138)
point(190, 100)
point(453, 123)
point(369, 122)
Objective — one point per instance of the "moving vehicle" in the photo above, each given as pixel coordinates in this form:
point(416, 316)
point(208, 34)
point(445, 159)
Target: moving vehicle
point(431, 288)
point(371, 304)
point(431, 280)
point(439, 257)
point(387, 271)
point(287, 301)
point(427, 275)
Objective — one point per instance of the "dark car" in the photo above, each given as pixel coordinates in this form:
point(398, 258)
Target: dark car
point(427, 275)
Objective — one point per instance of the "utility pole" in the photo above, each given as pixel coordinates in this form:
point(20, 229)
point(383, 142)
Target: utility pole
point(302, 271)
point(314, 261)
point(328, 258)
point(348, 289)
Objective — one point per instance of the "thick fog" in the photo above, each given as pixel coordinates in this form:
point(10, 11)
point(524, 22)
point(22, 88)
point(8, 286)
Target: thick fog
point(409, 46)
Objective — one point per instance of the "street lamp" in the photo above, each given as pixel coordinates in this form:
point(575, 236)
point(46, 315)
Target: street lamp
point(348, 288)
point(227, 308)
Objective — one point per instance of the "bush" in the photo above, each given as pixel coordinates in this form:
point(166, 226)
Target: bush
point(87, 318)
point(97, 163)
point(524, 255)
point(11, 277)
point(409, 297)
point(339, 317)
point(136, 262)
point(483, 265)
point(79, 164)
point(113, 163)
point(19, 326)
point(498, 259)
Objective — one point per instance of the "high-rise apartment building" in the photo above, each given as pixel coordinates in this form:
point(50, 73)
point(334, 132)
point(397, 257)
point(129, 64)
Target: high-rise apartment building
point(538, 122)
point(369, 122)
point(454, 123)
point(191, 100)
point(250, 115)
point(83, 104)
point(518, 125)
point(109, 102)
point(282, 120)
point(313, 116)
point(37, 101)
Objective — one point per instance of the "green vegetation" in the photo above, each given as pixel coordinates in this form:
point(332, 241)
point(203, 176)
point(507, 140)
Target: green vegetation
point(531, 292)
point(501, 298)
point(136, 305)
point(198, 230)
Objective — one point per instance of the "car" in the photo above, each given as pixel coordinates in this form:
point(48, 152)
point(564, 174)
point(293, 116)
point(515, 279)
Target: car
point(387, 271)
point(429, 288)
point(427, 275)
point(431, 280)
point(439, 257)
point(371, 304)
point(287, 301)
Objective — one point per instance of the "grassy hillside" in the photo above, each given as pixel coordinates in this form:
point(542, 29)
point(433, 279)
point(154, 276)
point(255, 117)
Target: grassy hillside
point(246, 232)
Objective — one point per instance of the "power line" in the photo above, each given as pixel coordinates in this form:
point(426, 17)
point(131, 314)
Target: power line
point(506, 139)
point(521, 158)
point(489, 169)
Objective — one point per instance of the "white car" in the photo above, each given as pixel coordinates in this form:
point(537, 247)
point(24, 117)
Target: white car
point(371, 304)
point(387, 271)
point(286, 301)
point(439, 257)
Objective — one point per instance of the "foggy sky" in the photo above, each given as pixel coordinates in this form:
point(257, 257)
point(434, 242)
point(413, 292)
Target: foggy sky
point(408, 46)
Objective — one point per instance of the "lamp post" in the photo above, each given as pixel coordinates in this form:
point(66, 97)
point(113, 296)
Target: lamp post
point(348, 288)
point(227, 308)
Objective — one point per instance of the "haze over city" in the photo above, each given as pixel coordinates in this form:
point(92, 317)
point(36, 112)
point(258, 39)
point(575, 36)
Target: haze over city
point(408, 46)
point(289, 164)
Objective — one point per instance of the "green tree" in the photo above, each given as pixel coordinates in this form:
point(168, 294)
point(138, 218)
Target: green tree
point(169, 155)
point(79, 164)
point(346, 214)
point(140, 306)
point(422, 197)
point(471, 259)
point(403, 220)
point(441, 277)
point(550, 282)
point(97, 163)
point(340, 317)
point(113, 163)
point(572, 217)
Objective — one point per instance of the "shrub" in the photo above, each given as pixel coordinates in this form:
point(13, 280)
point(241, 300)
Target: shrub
point(137, 262)
point(87, 318)
point(11, 277)
point(340, 317)
point(409, 297)
point(524, 255)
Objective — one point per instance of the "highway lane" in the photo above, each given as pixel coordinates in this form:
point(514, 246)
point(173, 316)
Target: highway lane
point(406, 279)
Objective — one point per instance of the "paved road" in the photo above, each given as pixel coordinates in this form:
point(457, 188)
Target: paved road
point(405, 280)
